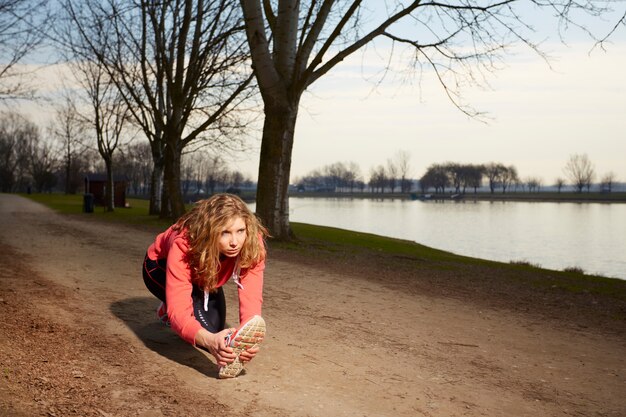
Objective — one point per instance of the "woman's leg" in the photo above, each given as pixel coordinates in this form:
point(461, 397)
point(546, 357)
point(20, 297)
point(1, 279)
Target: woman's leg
point(214, 317)
point(154, 277)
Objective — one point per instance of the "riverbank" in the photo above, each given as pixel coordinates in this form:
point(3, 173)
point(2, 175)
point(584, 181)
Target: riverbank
point(417, 330)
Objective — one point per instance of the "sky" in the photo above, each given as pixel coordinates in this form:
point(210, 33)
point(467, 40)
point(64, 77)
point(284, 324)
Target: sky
point(538, 115)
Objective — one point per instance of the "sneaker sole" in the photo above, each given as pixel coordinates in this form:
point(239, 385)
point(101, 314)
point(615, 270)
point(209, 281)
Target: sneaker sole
point(251, 335)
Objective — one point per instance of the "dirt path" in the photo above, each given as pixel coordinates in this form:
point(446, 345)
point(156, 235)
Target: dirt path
point(78, 336)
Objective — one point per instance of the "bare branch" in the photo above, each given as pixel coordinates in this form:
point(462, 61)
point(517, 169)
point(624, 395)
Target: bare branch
point(22, 28)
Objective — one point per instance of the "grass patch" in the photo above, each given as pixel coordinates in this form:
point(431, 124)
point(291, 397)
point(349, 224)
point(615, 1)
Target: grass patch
point(334, 239)
point(524, 262)
point(61, 203)
point(390, 251)
point(135, 214)
point(575, 270)
point(581, 283)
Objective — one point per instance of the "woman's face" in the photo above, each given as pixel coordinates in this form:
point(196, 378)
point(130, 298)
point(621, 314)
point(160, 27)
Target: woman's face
point(232, 237)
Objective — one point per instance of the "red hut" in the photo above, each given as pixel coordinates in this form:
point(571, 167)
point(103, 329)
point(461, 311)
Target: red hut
point(96, 184)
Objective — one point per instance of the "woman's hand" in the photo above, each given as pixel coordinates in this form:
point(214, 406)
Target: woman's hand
point(216, 345)
point(248, 355)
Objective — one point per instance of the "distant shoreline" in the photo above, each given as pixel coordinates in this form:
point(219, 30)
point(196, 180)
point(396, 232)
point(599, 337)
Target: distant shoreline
point(569, 197)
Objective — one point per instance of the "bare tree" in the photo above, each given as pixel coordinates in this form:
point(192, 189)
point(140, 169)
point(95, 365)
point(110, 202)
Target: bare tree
point(43, 163)
point(7, 157)
point(353, 175)
point(402, 162)
point(216, 170)
point(508, 176)
point(18, 136)
point(471, 176)
point(180, 67)
point(22, 28)
point(187, 174)
point(532, 183)
point(378, 179)
point(334, 174)
point(494, 172)
point(134, 162)
point(579, 170)
point(336, 177)
point(69, 131)
point(459, 176)
point(107, 117)
point(236, 180)
point(392, 175)
point(201, 168)
point(559, 183)
point(607, 181)
point(295, 43)
point(436, 176)
point(194, 171)
point(455, 174)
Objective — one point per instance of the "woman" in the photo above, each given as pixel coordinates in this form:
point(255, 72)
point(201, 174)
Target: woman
point(187, 265)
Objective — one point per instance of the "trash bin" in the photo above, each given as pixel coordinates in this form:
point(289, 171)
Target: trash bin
point(88, 203)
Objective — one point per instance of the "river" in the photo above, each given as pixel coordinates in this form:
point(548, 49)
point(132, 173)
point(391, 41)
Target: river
point(591, 236)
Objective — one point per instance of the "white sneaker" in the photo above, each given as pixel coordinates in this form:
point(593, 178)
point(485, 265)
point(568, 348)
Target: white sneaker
point(251, 333)
point(162, 314)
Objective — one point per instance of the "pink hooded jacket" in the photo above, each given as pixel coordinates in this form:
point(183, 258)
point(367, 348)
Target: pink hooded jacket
point(172, 245)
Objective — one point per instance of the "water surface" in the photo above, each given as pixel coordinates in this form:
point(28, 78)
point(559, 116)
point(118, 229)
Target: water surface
point(591, 236)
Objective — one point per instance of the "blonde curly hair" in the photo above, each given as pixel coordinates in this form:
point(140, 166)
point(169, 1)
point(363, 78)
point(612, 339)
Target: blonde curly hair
point(203, 225)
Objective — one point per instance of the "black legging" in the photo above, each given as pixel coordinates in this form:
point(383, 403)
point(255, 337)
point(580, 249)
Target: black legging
point(213, 318)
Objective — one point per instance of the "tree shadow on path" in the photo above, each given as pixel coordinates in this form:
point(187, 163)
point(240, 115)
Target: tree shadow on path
point(159, 338)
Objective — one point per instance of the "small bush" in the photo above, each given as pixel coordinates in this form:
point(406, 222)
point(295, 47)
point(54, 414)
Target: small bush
point(574, 269)
point(524, 262)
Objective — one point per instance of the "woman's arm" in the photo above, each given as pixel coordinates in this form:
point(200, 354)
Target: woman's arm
point(178, 289)
point(215, 343)
point(251, 300)
point(251, 295)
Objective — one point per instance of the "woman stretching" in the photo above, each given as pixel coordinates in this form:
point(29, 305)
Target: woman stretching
point(187, 265)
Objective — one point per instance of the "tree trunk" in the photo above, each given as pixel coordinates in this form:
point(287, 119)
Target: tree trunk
point(156, 179)
point(165, 212)
point(68, 174)
point(156, 187)
point(172, 179)
point(110, 189)
point(272, 201)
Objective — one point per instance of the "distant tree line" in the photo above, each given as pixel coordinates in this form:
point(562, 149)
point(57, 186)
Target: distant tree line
point(460, 177)
point(339, 176)
point(47, 160)
point(447, 177)
point(25, 160)
point(58, 157)
point(204, 174)
point(392, 177)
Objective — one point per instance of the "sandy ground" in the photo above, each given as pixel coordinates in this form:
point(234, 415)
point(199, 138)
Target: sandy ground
point(79, 336)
